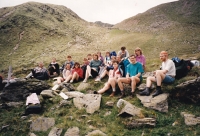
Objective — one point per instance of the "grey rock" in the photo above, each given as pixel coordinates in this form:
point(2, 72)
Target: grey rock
point(128, 108)
point(19, 90)
point(64, 103)
point(47, 94)
point(74, 131)
point(157, 103)
point(14, 104)
point(42, 124)
point(141, 122)
point(188, 91)
point(83, 86)
point(107, 113)
point(74, 94)
point(68, 86)
point(55, 132)
point(190, 119)
point(110, 104)
point(31, 134)
point(142, 86)
point(89, 101)
point(96, 133)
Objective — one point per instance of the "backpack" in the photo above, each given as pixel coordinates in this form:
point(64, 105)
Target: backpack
point(181, 67)
point(113, 53)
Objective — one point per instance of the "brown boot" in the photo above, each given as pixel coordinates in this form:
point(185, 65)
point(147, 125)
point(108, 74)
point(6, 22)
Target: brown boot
point(123, 95)
point(112, 94)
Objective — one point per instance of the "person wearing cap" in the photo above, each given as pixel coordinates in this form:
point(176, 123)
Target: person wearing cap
point(140, 57)
point(165, 75)
point(123, 52)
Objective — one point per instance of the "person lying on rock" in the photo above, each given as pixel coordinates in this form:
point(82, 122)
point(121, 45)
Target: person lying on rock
point(133, 76)
point(114, 74)
point(165, 75)
point(53, 68)
point(39, 72)
point(76, 74)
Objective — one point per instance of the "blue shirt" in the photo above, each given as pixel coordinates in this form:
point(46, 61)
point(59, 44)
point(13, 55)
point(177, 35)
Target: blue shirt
point(134, 69)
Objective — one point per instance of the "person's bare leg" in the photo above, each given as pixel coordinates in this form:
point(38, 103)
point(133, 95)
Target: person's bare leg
point(134, 81)
point(121, 87)
point(74, 76)
point(105, 88)
point(159, 77)
point(112, 82)
point(68, 78)
point(59, 80)
point(149, 81)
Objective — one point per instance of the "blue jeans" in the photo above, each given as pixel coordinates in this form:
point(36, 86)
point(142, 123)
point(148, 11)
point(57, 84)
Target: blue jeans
point(168, 79)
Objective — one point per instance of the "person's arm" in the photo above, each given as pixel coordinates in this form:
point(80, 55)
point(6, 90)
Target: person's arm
point(127, 53)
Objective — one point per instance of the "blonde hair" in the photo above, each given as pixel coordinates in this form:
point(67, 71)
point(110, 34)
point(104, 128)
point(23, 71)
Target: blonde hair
point(138, 49)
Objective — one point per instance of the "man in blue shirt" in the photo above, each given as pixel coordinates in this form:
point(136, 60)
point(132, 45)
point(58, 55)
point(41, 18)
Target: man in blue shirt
point(133, 76)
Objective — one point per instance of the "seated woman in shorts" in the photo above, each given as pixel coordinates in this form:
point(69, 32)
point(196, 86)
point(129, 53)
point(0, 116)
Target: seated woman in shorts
point(76, 74)
point(93, 68)
point(66, 72)
point(114, 74)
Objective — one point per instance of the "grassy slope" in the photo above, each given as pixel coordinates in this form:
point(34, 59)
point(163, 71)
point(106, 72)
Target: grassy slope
point(59, 39)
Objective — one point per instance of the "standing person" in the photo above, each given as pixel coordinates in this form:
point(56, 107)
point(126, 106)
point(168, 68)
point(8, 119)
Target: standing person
point(114, 74)
point(39, 72)
point(123, 52)
point(140, 57)
point(133, 76)
point(165, 75)
point(66, 72)
point(93, 68)
point(76, 74)
point(53, 68)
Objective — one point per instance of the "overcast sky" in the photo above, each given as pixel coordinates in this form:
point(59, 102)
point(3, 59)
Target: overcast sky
point(107, 11)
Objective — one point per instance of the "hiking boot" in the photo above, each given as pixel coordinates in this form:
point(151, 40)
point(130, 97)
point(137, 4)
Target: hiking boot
point(132, 94)
point(112, 94)
point(122, 95)
point(95, 92)
point(145, 92)
point(90, 76)
point(158, 91)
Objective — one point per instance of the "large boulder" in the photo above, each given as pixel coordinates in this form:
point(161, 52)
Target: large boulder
point(188, 91)
point(74, 131)
point(190, 119)
point(89, 101)
point(128, 108)
point(42, 124)
point(157, 103)
point(21, 88)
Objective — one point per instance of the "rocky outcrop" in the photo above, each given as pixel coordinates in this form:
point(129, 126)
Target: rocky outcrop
point(21, 88)
point(96, 133)
point(128, 108)
point(89, 101)
point(157, 103)
point(55, 132)
point(188, 91)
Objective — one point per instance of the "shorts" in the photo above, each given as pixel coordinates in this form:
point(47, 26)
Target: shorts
point(168, 79)
point(94, 73)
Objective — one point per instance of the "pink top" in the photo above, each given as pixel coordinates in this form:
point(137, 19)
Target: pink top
point(141, 59)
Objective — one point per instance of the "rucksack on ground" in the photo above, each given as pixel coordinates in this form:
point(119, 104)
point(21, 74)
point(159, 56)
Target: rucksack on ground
point(182, 67)
point(113, 53)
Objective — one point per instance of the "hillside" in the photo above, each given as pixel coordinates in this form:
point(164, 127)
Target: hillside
point(34, 32)
point(172, 26)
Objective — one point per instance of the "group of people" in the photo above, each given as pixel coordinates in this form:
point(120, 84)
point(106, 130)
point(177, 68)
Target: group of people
point(119, 67)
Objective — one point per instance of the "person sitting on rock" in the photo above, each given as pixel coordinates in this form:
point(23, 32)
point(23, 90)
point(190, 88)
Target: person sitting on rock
point(165, 75)
point(140, 57)
point(54, 68)
point(39, 72)
point(93, 68)
point(123, 52)
point(100, 57)
point(114, 74)
point(89, 57)
point(133, 76)
point(76, 74)
point(66, 72)
point(105, 70)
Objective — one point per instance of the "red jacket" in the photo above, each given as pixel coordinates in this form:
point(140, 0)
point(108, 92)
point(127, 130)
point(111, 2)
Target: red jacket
point(79, 71)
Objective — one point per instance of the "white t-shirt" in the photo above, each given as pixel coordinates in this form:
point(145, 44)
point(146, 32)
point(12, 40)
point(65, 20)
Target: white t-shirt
point(170, 67)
